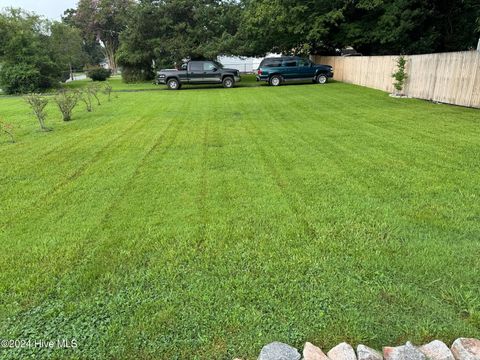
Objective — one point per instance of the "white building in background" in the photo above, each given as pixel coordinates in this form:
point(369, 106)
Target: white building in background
point(243, 64)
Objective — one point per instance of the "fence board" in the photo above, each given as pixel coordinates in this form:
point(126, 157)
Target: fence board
point(452, 78)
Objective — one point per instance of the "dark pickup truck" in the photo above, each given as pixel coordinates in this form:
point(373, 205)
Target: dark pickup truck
point(198, 72)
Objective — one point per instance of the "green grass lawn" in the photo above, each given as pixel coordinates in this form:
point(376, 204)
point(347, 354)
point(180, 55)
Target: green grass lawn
point(203, 224)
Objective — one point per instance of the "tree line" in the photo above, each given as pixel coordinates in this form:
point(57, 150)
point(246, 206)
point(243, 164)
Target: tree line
point(35, 53)
point(140, 36)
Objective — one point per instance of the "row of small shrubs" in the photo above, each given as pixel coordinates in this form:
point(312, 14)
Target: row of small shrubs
point(66, 101)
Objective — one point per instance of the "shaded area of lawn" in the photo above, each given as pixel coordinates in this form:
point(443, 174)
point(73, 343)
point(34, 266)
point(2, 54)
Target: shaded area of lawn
point(204, 224)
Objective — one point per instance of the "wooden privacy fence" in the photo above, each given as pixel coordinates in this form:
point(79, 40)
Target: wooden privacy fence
point(452, 78)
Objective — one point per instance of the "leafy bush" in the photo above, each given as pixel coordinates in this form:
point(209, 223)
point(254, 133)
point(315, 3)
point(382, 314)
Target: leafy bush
point(98, 74)
point(136, 74)
point(32, 59)
point(66, 102)
point(19, 78)
point(38, 103)
point(400, 76)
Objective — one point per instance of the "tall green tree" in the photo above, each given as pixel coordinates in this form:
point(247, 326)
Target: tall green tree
point(409, 26)
point(67, 45)
point(91, 46)
point(166, 32)
point(27, 60)
point(288, 26)
point(102, 21)
point(371, 26)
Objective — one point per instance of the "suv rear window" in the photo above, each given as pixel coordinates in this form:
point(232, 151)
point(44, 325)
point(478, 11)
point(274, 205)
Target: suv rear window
point(271, 63)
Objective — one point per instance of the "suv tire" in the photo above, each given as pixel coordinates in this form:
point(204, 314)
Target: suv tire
point(173, 84)
point(321, 79)
point(276, 80)
point(228, 82)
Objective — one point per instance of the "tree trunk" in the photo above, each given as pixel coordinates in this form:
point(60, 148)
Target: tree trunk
point(110, 56)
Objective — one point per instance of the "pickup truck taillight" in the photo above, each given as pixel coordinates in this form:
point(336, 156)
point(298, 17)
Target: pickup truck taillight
point(259, 72)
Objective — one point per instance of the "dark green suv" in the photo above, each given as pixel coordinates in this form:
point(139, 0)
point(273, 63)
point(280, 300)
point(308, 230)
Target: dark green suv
point(277, 70)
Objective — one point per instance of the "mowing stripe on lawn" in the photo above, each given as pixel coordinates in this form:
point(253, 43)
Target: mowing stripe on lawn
point(15, 233)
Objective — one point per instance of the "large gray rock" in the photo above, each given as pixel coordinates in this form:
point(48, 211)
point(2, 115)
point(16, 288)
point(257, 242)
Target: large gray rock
point(279, 351)
point(404, 352)
point(466, 349)
point(366, 353)
point(312, 352)
point(342, 351)
point(436, 350)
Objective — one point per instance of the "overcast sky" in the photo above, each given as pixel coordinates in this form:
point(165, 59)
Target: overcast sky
point(52, 9)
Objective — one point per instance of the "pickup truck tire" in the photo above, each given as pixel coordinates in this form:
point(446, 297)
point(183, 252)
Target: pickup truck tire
point(173, 84)
point(321, 79)
point(228, 82)
point(276, 80)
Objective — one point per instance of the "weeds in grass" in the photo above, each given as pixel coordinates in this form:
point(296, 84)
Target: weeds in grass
point(7, 129)
point(38, 103)
point(466, 301)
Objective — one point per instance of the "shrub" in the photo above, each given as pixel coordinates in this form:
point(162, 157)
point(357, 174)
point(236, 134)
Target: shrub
point(93, 89)
point(86, 97)
point(400, 76)
point(107, 90)
point(38, 103)
point(98, 74)
point(19, 78)
point(7, 129)
point(66, 101)
point(135, 74)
